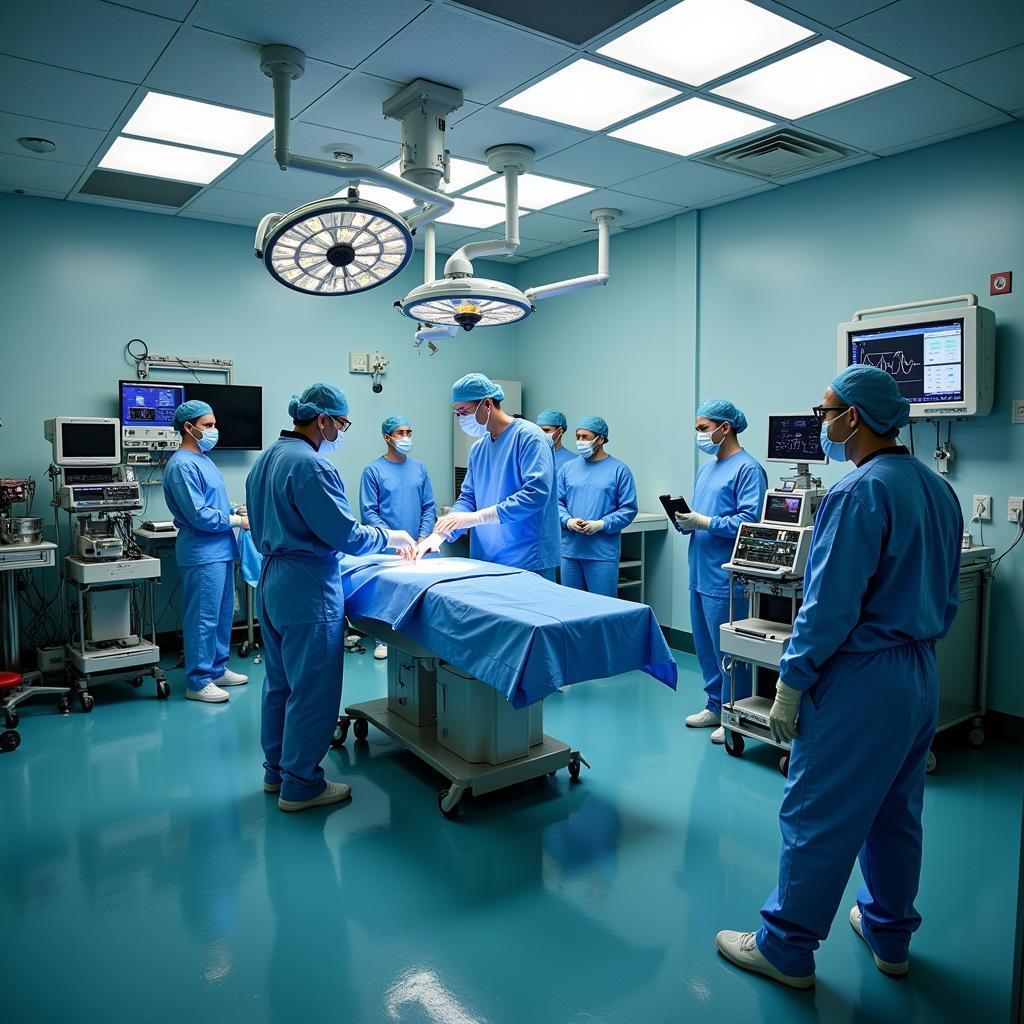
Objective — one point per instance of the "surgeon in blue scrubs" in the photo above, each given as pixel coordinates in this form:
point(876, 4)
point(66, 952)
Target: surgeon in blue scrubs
point(554, 425)
point(858, 691)
point(596, 502)
point(300, 521)
point(395, 491)
point(729, 490)
point(509, 498)
point(205, 552)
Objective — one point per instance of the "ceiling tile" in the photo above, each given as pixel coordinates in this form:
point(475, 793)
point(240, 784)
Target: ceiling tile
point(489, 127)
point(343, 33)
point(935, 35)
point(914, 112)
point(42, 192)
point(834, 12)
point(316, 140)
point(58, 95)
point(219, 69)
point(945, 136)
point(602, 161)
point(634, 208)
point(494, 60)
point(120, 204)
point(546, 227)
point(87, 35)
point(291, 186)
point(75, 145)
point(575, 21)
point(176, 9)
point(998, 79)
point(687, 183)
point(446, 236)
point(25, 172)
point(222, 202)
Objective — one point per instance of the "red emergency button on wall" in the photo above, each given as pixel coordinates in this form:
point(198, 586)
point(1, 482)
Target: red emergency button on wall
point(1000, 284)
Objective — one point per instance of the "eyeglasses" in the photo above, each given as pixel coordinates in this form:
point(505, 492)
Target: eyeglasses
point(821, 410)
point(341, 423)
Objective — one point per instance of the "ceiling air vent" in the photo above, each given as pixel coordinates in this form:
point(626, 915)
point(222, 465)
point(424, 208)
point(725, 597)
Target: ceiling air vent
point(781, 154)
point(138, 188)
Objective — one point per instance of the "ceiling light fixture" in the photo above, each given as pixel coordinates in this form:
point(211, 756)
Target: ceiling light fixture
point(191, 123)
point(535, 191)
point(36, 145)
point(159, 160)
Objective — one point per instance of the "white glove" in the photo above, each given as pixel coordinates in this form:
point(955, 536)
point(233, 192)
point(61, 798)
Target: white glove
point(782, 717)
point(593, 526)
point(447, 525)
point(692, 521)
point(576, 525)
point(239, 520)
point(402, 542)
point(428, 544)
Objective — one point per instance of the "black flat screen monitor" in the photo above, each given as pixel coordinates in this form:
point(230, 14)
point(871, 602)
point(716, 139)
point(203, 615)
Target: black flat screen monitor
point(149, 403)
point(795, 439)
point(239, 412)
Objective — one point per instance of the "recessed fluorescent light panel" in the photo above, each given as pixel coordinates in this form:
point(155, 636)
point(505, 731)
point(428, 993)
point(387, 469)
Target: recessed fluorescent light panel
point(463, 173)
point(589, 95)
point(474, 215)
point(698, 41)
point(535, 191)
point(162, 161)
point(190, 123)
point(813, 79)
point(386, 197)
point(690, 127)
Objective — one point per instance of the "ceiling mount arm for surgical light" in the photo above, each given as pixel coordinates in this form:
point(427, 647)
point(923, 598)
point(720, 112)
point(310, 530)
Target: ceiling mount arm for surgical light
point(604, 218)
point(428, 332)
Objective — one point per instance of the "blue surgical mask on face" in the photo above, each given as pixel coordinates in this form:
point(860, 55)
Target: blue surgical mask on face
point(470, 425)
point(835, 451)
point(585, 449)
point(706, 443)
point(403, 445)
point(207, 439)
point(328, 446)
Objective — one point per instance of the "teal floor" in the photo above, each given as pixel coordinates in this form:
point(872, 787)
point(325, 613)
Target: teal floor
point(144, 876)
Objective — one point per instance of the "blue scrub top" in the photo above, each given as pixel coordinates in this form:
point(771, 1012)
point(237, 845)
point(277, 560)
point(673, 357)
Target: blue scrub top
point(730, 491)
point(198, 502)
point(297, 506)
point(398, 496)
point(883, 569)
point(516, 473)
point(563, 456)
point(596, 490)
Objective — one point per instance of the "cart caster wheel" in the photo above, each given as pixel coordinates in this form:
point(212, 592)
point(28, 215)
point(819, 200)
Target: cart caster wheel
point(734, 743)
point(136, 682)
point(445, 806)
point(86, 701)
point(340, 733)
point(784, 765)
point(361, 727)
point(243, 649)
point(11, 719)
point(931, 763)
point(574, 771)
point(163, 689)
point(63, 705)
point(976, 736)
point(9, 741)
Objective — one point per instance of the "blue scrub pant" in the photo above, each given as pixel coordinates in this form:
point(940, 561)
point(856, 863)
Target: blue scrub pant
point(302, 619)
point(548, 574)
point(595, 575)
point(209, 609)
point(856, 783)
point(706, 615)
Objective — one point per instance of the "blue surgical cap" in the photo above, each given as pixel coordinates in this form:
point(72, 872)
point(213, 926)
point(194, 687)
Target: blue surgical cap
point(189, 411)
point(875, 395)
point(392, 423)
point(552, 418)
point(475, 387)
point(723, 411)
point(318, 400)
point(595, 425)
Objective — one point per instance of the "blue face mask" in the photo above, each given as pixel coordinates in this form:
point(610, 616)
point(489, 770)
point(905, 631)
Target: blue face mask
point(403, 445)
point(471, 426)
point(585, 449)
point(327, 446)
point(835, 451)
point(705, 442)
point(207, 439)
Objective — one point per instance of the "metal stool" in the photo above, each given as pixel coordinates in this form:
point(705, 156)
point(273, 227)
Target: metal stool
point(16, 688)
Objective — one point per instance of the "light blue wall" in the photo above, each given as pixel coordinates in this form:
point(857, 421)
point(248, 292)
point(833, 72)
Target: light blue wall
point(761, 285)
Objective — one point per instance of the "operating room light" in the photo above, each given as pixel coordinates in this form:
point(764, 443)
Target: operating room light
point(163, 161)
point(690, 127)
point(467, 302)
point(336, 246)
point(589, 95)
point(191, 123)
point(698, 41)
point(813, 79)
point(535, 191)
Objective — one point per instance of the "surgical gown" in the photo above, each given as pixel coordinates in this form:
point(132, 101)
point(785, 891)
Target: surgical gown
point(205, 552)
point(563, 456)
point(730, 491)
point(300, 519)
point(516, 473)
point(601, 489)
point(398, 496)
point(881, 587)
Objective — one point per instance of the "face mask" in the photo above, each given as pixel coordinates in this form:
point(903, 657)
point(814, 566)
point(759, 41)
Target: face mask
point(472, 426)
point(585, 449)
point(835, 451)
point(551, 439)
point(403, 445)
point(327, 446)
point(207, 439)
point(705, 442)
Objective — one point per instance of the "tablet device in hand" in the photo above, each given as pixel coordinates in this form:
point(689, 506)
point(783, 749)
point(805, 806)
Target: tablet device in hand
point(672, 506)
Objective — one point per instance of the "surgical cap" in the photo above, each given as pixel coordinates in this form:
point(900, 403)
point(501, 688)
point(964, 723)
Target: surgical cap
point(392, 423)
point(318, 400)
point(875, 395)
point(552, 418)
point(475, 387)
point(595, 425)
point(189, 411)
point(723, 411)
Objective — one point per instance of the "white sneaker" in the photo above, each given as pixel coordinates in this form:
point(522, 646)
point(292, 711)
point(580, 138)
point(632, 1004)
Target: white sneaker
point(718, 736)
point(380, 652)
point(211, 693)
point(333, 794)
point(351, 640)
point(271, 787)
point(703, 720)
point(231, 679)
point(740, 948)
point(893, 970)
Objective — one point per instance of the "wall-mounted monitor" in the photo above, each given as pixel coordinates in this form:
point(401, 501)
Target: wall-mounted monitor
point(794, 439)
point(84, 440)
point(147, 412)
point(239, 412)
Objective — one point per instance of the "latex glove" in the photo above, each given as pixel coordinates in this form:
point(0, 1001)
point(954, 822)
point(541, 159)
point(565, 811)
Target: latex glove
point(402, 542)
point(576, 525)
point(692, 521)
point(782, 717)
point(447, 525)
point(239, 520)
point(592, 526)
point(428, 544)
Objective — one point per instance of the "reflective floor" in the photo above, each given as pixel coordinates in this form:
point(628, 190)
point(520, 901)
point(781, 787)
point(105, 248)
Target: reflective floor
point(144, 876)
